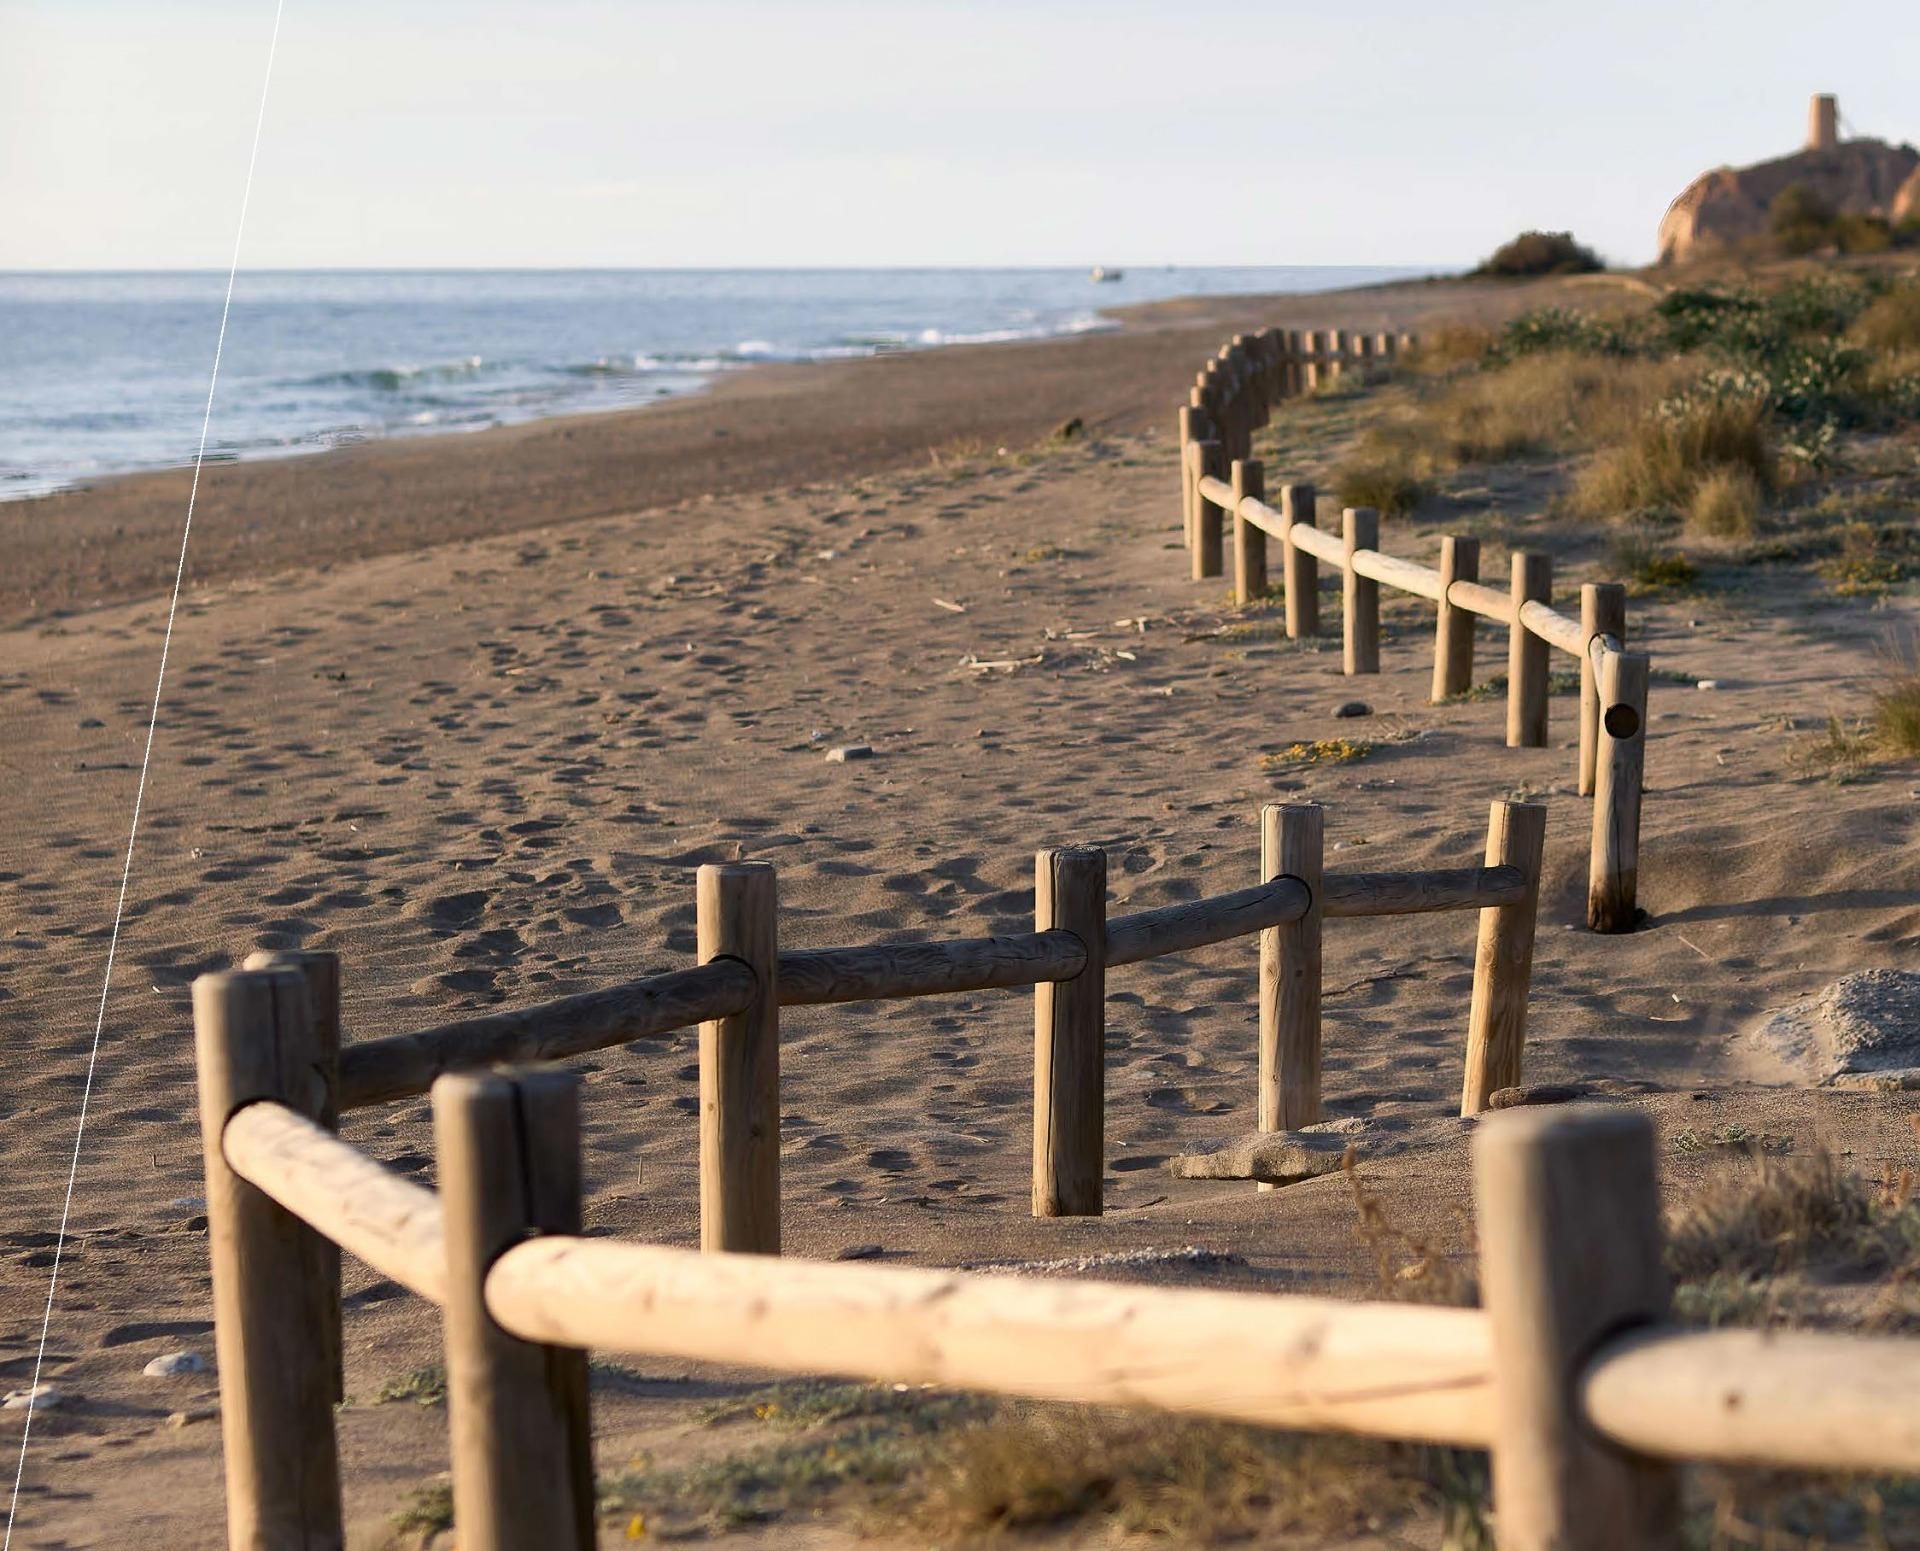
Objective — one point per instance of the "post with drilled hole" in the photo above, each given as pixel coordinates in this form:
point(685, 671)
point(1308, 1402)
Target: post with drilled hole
point(1249, 542)
point(1613, 866)
point(1359, 595)
point(1194, 427)
point(1302, 569)
point(508, 1154)
point(1208, 535)
point(1292, 845)
point(274, 1294)
point(321, 971)
point(1567, 1206)
point(1503, 958)
point(1603, 612)
point(1069, 1039)
point(740, 1065)
point(1527, 664)
point(1453, 633)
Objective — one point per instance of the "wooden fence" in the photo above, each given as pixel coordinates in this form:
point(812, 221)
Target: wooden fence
point(1570, 1372)
point(1221, 481)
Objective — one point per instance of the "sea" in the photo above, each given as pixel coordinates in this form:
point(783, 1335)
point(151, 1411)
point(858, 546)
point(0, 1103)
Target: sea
point(107, 373)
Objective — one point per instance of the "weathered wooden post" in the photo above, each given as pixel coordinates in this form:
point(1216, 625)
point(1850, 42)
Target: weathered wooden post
point(275, 1293)
point(1567, 1208)
point(1527, 655)
point(1302, 570)
point(1336, 345)
point(1503, 958)
point(1070, 1038)
point(1312, 343)
point(1453, 633)
point(1359, 595)
point(1296, 351)
point(1603, 612)
point(1194, 427)
point(1292, 845)
point(1613, 866)
point(1208, 538)
point(508, 1154)
point(321, 971)
point(740, 1065)
point(1249, 542)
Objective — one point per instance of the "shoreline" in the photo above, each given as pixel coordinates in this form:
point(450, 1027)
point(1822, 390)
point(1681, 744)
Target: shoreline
point(772, 427)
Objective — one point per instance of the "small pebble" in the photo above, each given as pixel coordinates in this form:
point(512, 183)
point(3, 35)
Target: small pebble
point(849, 751)
point(42, 1397)
point(196, 1414)
point(1708, 684)
point(1353, 708)
point(859, 1252)
point(170, 1365)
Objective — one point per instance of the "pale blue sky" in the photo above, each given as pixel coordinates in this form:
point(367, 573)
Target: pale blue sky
point(746, 132)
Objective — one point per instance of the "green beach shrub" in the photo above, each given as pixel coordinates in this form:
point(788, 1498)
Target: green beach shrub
point(1540, 253)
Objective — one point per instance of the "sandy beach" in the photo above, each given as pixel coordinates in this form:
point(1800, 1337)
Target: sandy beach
point(470, 711)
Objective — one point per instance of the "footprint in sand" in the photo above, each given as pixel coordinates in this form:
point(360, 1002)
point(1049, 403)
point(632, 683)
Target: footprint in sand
point(450, 913)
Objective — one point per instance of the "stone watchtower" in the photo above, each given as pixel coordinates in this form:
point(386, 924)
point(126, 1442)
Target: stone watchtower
point(1823, 122)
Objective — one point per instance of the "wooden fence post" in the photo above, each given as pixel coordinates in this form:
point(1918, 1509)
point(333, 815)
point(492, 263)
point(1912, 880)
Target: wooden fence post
point(1301, 570)
point(275, 1298)
point(1453, 632)
point(1194, 427)
point(1503, 958)
point(1527, 664)
point(1336, 354)
point(1360, 595)
point(1613, 865)
point(1207, 539)
point(1603, 611)
point(321, 971)
point(1567, 1206)
point(737, 908)
point(508, 1154)
point(1292, 844)
point(1070, 1039)
point(1312, 342)
point(1249, 542)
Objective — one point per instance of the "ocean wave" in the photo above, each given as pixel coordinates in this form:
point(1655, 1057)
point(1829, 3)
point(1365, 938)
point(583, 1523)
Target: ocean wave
point(399, 379)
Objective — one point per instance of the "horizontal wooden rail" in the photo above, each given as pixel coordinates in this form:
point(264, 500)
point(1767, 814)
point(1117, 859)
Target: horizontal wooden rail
point(1791, 1399)
point(1419, 893)
point(1383, 1369)
point(1487, 602)
point(1321, 545)
point(811, 976)
point(1407, 575)
point(1149, 934)
point(390, 1223)
point(404, 1065)
point(1553, 627)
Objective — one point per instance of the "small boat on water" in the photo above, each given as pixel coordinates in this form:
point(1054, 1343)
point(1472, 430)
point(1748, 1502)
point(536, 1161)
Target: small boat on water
point(1105, 276)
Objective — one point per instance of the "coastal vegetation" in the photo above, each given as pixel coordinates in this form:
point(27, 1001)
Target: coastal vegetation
point(1721, 412)
point(1540, 253)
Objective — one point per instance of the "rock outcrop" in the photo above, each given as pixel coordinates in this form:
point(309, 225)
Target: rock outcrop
point(1728, 206)
point(1906, 203)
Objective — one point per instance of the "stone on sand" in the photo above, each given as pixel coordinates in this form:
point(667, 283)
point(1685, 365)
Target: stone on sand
point(42, 1397)
point(173, 1365)
point(1862, 1031)
point(849, 751)
point(1282, 1157)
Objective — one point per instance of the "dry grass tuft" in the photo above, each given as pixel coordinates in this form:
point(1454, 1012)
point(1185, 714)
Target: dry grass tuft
point(1726, 504)
point(1449, 346)
point(1777, 1214)
point(1896, 705)
point(1891, 322)
point(1188, 1481)
point(1381, 484)
point(1664, 459)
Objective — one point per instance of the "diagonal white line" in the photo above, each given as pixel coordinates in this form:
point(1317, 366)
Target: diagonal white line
point(140, 791)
